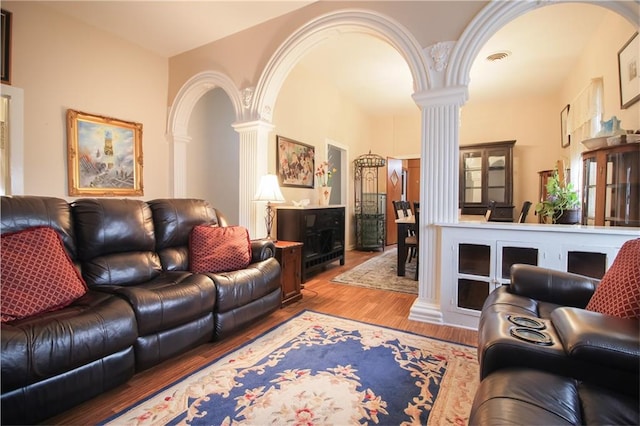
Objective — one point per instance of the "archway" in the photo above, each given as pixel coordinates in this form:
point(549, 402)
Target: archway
point(180, 114)
point(332, 25)
point(495, 16)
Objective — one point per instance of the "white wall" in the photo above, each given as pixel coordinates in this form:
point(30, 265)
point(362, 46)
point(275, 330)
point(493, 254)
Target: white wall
point(61, 63)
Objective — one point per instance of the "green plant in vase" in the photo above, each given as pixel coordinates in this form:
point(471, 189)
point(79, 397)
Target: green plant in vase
point(562, 201)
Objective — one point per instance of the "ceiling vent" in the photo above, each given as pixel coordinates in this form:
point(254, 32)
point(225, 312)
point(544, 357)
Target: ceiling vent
point(498, 56)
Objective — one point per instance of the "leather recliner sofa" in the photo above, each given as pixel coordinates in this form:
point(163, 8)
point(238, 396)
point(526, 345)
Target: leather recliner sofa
point(545, 359)
point(143, 305)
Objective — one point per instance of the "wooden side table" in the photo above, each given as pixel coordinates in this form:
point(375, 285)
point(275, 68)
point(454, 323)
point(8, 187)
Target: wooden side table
point(289, 255)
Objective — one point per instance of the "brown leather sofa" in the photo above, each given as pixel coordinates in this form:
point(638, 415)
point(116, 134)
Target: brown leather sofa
point(545, 359)
point(143, 305)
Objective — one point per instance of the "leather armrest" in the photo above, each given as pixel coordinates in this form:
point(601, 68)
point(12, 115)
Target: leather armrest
point(549, 285)
point(262, 250)
point(599, 339)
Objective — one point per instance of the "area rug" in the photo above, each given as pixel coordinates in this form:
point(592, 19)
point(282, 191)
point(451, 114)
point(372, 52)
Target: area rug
point(322, 369)
point(381, 272)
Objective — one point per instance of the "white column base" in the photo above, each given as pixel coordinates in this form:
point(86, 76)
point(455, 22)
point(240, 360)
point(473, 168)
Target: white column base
point(424, 311)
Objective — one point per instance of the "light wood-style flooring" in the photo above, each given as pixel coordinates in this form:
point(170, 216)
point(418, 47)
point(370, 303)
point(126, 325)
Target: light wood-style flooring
point(386, 308)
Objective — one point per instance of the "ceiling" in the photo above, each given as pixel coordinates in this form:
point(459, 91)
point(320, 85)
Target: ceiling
point(543, 43)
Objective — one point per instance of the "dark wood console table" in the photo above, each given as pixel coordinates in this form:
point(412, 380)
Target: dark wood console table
point(320, 228)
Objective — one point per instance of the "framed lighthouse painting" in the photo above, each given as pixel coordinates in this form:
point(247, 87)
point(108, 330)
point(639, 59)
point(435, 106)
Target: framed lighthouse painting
point(104, 156)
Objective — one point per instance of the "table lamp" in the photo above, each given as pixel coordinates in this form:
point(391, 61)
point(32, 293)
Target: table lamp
point(269, 191)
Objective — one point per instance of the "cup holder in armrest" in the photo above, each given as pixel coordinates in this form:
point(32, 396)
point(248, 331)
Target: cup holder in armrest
point(526, 322)
point(531, 336)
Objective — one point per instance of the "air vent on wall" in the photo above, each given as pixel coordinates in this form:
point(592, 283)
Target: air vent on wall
point(498, 56)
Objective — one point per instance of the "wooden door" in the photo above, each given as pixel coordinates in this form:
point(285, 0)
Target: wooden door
point(394, 193)
point(413, 180)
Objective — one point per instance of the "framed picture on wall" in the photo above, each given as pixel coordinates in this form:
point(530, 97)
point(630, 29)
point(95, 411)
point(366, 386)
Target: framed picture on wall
point(5, 58)
point(104, 155)
point(564, 131)
point(295, 163)
point(628, 69)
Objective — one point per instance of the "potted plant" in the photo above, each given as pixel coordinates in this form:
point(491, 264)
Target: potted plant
point(562, 202)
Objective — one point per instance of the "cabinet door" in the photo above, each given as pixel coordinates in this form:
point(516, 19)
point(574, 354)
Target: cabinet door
point(291, 278)
point(471, 177)
point(486, 175)
point(497, 168)
point(509, 253)
point(474, 274)
point(622, 189)
point(589, 188)
point(590, 261)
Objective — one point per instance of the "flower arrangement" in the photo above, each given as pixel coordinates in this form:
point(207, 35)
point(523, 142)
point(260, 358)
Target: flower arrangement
point(561, 196)
point(324, 173)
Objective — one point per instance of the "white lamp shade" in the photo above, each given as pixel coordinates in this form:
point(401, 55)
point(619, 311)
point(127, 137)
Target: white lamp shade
point(269, 190)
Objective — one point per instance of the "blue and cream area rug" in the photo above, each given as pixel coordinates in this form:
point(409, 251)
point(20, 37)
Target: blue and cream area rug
point(318, 369)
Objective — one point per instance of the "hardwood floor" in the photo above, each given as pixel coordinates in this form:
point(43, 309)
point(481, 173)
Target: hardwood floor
point(319, 294)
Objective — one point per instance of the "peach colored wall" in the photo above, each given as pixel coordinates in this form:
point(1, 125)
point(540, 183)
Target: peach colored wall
point(600, 59)
point(244, 55)
point(312, 111)
point(533, 122)
point(61, 63)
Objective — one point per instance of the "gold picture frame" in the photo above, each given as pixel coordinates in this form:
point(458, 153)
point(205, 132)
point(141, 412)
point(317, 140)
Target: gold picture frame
point(629, 72)
point(104, 155)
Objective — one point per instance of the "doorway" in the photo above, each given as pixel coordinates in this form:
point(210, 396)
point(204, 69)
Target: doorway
point(337, 159)
point(403, 184)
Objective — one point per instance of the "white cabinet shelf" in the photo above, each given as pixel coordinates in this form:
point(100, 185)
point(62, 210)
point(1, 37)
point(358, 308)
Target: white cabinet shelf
point(476, 259)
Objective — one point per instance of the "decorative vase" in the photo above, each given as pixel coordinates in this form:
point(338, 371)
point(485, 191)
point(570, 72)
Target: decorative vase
point(324, 194)
point(568, 217)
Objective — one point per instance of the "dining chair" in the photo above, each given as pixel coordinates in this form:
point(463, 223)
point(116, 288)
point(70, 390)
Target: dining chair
point(524, 211)
point(413, 251)
point(489, 212)
point(399, 209)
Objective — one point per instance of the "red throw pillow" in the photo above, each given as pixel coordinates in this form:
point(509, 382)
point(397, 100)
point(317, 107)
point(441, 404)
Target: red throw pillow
point(619, 291)
point(37, 274)
point(219, 249)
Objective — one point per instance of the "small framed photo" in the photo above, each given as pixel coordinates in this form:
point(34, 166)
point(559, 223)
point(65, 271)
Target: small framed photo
point(295, 163)
point(628, 69)
point(104, 155)
point(565, 140)
point(5, 57)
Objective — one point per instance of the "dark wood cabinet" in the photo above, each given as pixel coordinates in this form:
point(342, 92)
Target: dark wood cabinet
point(486, 175)
point(289, 255)
point(320, 229)
point(611, 186)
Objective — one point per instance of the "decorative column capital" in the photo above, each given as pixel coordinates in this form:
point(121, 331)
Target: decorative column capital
point(258, 126)
point(456, 95)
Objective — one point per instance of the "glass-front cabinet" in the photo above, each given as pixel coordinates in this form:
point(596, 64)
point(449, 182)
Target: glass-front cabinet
point(476, 258)
point(486, 175)
point(611, 186)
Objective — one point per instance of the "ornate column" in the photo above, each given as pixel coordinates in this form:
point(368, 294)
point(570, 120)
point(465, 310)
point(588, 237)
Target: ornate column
point(254, 144)
point(439, 177)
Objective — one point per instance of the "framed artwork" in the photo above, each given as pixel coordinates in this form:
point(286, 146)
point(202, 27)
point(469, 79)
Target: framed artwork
point(295, 163)
point(104, 155)
point(5, 34)
point(628, 69)
point(565, 140)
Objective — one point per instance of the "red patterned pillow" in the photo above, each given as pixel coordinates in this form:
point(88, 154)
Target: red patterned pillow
point(219, 249)
point(619, 291)
point(37, 274)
